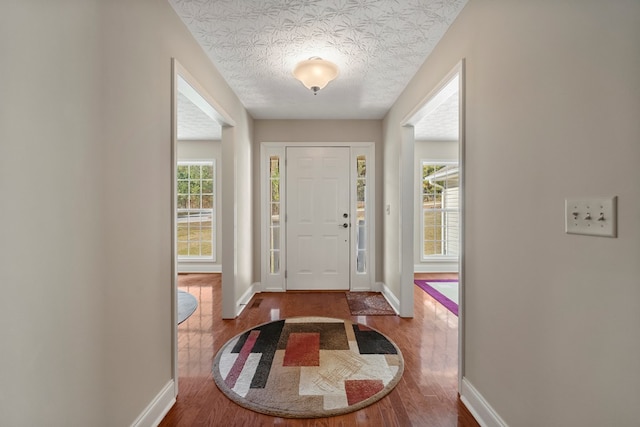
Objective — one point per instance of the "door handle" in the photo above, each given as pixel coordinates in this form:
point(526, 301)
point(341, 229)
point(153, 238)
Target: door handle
point(345, 225)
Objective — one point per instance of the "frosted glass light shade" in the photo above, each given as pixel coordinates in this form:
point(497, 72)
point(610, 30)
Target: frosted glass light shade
point(315, 73)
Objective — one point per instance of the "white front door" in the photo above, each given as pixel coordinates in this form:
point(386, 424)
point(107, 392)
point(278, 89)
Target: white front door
point(318, 218)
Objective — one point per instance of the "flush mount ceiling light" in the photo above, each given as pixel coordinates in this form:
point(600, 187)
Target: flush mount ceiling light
point(315, 73)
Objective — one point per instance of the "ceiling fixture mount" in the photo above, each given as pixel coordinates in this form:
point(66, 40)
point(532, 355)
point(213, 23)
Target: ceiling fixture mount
point(315, 73)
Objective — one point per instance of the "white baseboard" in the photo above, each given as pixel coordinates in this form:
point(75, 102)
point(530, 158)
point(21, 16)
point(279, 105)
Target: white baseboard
point(242, 302)
point(479, 407)
point(194, 267)
point(436, 267)
point(394, 302)
point(158, 408)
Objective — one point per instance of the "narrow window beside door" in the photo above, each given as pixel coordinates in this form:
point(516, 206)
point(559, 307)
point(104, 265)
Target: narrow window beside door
point(195, 210)
point(274, 217)
point(361, 204)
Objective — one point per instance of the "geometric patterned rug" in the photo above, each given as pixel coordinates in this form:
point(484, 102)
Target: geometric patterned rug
point(308, 367)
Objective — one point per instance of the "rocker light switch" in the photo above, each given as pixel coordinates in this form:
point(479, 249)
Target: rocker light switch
point(591, 216)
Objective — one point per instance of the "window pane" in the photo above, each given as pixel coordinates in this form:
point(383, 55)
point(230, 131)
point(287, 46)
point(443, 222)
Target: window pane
point(275, 190)
point(194, 248)
point(362, 166)
point(207, 186)
point(207, 202)
point(274, 262)
point(194, 171)
point(207, 172)
point(194, 187)
point(183, 236)
point(183, 187)
point(361, 247)
point(274, 167)
point(361, 183)
point(183, 172)
point(275, 212)
point(275, 238)
point(205, 249)
point(361, 206)
point(430, 248)
point(182, 202)
point(274, 218)
point(194, 202)
point(361, 262)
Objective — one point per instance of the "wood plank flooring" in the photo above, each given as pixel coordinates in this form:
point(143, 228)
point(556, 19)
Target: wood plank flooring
point(426, 396)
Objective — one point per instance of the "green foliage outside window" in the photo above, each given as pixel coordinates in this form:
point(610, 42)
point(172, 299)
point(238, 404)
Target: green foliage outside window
point(195, 200)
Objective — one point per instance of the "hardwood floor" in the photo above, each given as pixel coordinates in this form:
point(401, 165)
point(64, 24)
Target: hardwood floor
point(427, 395)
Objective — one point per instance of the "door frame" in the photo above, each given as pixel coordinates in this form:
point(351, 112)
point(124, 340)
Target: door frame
point(276, 282)
point(217, 113)
point(408, 197)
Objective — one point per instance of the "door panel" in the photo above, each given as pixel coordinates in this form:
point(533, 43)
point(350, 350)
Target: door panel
point(317, 199)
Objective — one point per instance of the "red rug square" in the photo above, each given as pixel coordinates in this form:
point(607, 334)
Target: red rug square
point(359, 390)
point(303, 349)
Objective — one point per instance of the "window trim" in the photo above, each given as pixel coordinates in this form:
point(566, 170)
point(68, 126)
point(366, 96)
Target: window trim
point(199, 258)
point(421, 210)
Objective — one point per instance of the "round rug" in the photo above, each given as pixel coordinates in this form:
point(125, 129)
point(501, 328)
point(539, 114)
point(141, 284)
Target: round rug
point(187, 304)
point(308, 367)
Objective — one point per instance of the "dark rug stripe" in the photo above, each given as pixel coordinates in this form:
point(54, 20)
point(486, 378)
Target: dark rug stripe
point(267, 344)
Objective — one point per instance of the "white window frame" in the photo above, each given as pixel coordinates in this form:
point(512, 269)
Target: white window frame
point(271, 281)
point(421, 209)
point(364, 281)
point(213, 211)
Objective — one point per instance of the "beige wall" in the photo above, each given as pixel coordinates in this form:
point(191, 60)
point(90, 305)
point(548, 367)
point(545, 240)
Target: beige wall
point(51, 217)
point(552, 99)
point(199, 150)
point(552, 106)
point(85, 235)
point(436, 150)
point(139, 40)
point(316, 131)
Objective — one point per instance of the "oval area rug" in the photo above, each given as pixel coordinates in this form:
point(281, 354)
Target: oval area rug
point(187, 304)
point(308, 367)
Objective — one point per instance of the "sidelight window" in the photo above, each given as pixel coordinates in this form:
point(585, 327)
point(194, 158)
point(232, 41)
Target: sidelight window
point(361, 214)
point(274, 215)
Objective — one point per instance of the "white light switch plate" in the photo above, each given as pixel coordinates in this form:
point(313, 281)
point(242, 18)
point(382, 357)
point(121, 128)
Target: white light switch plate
point(591, 216)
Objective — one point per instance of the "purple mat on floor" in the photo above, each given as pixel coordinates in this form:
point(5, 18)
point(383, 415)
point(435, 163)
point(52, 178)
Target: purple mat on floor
point(450, 305)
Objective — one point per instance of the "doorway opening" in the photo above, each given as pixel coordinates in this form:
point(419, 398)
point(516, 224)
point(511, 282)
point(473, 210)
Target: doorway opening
point(433, 144)
point(197, 123)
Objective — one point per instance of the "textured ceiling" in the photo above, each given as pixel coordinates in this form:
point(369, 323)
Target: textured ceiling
point(193, 123)
point(440, 116)
point(378, 46)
